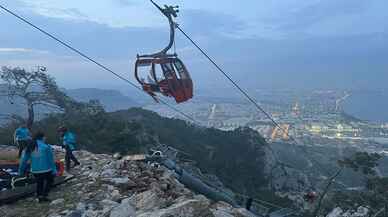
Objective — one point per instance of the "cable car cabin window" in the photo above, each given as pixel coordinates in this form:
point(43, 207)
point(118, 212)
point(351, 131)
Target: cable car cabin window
point(168, 70)
point(181, 70)
point(145, 72)
point(159, 75)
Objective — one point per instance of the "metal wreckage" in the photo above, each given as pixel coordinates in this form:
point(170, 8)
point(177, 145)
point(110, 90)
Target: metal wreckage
point(166, 156)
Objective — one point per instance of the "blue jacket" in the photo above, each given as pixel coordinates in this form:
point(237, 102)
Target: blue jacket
point(22, 133)
point(42, 159)
point(69, 140)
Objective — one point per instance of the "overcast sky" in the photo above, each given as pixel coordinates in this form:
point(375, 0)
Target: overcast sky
point(261, 43)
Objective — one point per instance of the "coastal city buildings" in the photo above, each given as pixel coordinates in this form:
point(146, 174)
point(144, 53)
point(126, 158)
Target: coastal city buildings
point(317, 115)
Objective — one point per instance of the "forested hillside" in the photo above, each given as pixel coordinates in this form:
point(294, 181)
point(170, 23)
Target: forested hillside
point(236, 157)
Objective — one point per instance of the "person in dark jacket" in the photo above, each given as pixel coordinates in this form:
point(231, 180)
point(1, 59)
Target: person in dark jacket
point(41, 156)
point(69, 143)
point(22, 138)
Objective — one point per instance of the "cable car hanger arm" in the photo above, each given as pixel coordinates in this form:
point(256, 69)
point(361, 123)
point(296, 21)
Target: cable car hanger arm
point(170, 12)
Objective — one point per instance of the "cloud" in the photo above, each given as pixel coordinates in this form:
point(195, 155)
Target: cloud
point(331, 18)
point(22, 50)
point(125, 3)
point(44, 8)
point(207, 22)
point(134, 13)
point(254, 18)
point(322, 10)
point(68, 13)
point(114, 13)
point(290, 61)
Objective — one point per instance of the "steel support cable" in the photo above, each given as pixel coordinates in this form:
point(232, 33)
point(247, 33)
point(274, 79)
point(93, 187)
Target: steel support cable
point(245, 94)
point(67, 45)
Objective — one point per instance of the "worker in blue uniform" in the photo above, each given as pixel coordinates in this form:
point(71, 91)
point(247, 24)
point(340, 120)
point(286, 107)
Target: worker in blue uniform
point(41, 156)
point(69, 144)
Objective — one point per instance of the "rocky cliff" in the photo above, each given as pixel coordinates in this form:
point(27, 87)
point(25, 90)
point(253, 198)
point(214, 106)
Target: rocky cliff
point(108, 186)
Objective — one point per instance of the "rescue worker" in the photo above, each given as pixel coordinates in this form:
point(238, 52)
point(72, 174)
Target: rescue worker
point(22, 137)
point(41, 156)
point(68, 143)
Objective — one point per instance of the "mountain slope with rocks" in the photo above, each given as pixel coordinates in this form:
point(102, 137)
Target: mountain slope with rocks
point(107, 186)
point(241, 159)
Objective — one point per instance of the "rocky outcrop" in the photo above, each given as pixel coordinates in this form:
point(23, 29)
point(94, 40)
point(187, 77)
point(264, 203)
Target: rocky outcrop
point(107, 186)
point(359, 212)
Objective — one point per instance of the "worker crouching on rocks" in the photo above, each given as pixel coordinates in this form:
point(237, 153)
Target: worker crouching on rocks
point(41, 156)
point(68, 143)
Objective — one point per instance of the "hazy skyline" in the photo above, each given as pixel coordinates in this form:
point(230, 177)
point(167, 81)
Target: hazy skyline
point(263, 44)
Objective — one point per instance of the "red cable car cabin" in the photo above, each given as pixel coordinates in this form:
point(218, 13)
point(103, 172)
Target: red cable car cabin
point(166, 75)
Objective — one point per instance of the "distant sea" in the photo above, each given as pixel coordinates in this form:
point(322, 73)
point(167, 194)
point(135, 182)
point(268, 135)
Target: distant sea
point(368, 105)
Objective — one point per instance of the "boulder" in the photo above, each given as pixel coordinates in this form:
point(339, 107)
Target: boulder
point(115, 195)
point(117, 156)
point(110, 187)
point(125, 209)
point(119, 181)
point(108, 205)
point(122, 182)
point(335, 212)
point(222, 209)
point(91, 213)
point(222, 213)
point(57, 202)
point(64, 212)
point(360, 212)
point(149, 200)
point(240, 212)
point(109, 173)
point(92, 174)
point(188, 208)
point(75, 213)
point(54, 215)
point(81, 206)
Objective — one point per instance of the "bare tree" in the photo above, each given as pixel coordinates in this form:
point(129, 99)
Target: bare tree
point(35, 88)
